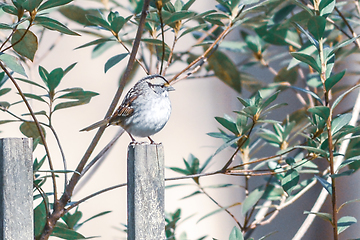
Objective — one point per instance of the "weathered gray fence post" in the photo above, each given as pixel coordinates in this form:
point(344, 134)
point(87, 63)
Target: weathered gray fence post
point(16, 189)
point(145, 191)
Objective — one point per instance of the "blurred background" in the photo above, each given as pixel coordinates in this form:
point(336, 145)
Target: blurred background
point(195, 103)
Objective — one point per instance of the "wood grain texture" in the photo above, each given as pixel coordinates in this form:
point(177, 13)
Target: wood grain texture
point(16, 189)
point(146, 216)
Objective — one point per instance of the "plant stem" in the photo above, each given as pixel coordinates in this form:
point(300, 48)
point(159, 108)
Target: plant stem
point(60, 211)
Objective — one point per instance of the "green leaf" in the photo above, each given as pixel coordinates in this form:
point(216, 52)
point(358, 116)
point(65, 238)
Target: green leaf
point(187, 5)
point(29, 129)
point(30, 82)
point(72, 219)
point(190, 30)
point(311, 38)
point(98, 21)
point(39, 218)
point(316, 26)
point(95, 42)
point(37, 165)
point(251, 200)
point(339, 98)
point(331, 81)
point(30, 5)
point(10, 9)
point(341, 45)
point(339, 122)
point(309, 92)
point(52, 4)
point(13, 63)
point(345, 173)
point(53, 24)
point(79, 95)
point(279, 35)
point(114, 60)
point(322, 111)
point(349, 161)
point(216, 18)
point(54, 78)
point(346, 203)
point(180, 170)
point(269, 100)
point(69, 68)
point(61, 231)
point(326, 7)
point(152, 41)
point(290, 180)
point(230, 125)
point(227, 144)
point(178, 16)
point(25, 43)
point(71, 104)
point(4, 91)
point(345, 222)
point(307, 59)
point(324, 216)
point(78, 14)
point(225, 70)
point(33, 96)
point(236, 234)
point(325, 184)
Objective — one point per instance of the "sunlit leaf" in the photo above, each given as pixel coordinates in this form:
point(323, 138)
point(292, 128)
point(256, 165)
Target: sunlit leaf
point(52, 4)
point(13, 63)
point(345, 222)
point(290, 180)
point(339, 98)
point(236, 234)
point(251, 200)
point(29, 129)
point(25, 43)
point(324, 216)
point(53, 24)
point(326, 7)
point(307, 59)
point(325, 184)
point(339, 122)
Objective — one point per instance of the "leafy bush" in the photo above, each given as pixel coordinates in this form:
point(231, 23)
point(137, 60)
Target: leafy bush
point(310, 40)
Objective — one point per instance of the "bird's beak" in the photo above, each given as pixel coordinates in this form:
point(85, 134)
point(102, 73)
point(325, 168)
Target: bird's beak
point(169, 88)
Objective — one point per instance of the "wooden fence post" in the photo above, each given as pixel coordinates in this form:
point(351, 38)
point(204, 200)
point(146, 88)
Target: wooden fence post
point(145, 191)
point(16, 189)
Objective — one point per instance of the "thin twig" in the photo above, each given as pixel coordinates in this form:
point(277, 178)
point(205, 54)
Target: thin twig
point(204, 55)
point(163, 41)
point(103, 151)
point(348, 26)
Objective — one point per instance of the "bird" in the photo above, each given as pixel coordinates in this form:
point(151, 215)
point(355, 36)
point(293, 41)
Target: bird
point(145, 109)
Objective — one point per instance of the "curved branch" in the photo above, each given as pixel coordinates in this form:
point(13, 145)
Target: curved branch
point(42, 136)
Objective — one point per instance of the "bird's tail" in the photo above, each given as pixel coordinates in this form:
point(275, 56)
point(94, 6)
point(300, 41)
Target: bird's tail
point(101, 123)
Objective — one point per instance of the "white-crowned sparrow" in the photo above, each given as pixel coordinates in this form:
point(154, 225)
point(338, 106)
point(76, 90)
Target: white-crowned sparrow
point(145, 109)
